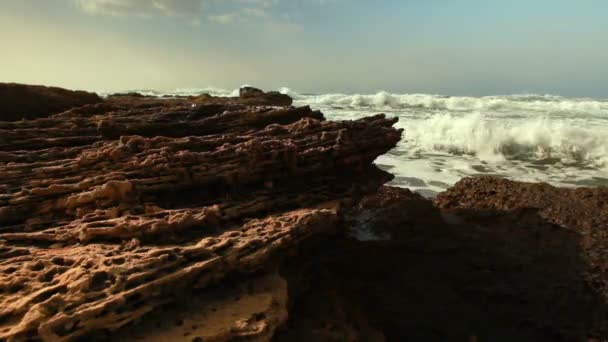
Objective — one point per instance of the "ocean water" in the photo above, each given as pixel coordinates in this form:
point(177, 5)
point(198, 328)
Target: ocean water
point(537, 138)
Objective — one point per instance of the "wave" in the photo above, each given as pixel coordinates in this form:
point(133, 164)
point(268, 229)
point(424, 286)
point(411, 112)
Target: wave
point(493, 140)
point(509, 104)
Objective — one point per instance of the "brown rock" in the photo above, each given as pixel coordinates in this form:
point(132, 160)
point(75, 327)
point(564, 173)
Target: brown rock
point(580, 209)
point(249, 92)
point(61, 294)
point(253, 309)
point(491, 259)
point(110, 211)
point(19, 101)
point(254, 96)
point(119, 172)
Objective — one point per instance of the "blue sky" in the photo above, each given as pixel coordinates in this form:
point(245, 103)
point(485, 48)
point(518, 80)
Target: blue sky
point(452, 47)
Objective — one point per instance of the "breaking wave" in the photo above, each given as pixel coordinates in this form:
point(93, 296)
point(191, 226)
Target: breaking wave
point(495, 140)
point(543, 104)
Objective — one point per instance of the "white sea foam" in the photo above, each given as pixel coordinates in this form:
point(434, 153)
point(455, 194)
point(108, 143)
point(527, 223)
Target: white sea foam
point(563, 141)
point(495, 140)
point(522, 104)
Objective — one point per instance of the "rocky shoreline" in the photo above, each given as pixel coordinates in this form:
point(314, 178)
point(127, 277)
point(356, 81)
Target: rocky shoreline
point(222, 219)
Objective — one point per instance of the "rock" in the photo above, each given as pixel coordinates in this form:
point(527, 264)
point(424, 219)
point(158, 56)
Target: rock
point(128, 94)
point(19, 101)
point(490, 259)
point(87, 125)
point(383, 215)
point(580, 209)
point(106, 286)
point(248, 92)
point(580, 213)
point(253, 309)
point(151, 166)
point(221, 218)
point(254, 96)
point(110, 212)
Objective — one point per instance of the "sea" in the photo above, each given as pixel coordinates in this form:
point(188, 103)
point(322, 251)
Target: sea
point(528, 137)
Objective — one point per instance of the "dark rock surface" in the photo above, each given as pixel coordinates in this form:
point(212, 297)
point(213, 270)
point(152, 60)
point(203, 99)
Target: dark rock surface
point(254, 96)
point(490, 260)
point(20, 101)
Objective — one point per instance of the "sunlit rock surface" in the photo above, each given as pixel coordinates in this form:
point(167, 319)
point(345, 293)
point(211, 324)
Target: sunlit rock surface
point(111, 211)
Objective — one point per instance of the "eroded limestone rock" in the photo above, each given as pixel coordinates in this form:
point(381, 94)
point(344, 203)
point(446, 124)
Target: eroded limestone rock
point(110, 211)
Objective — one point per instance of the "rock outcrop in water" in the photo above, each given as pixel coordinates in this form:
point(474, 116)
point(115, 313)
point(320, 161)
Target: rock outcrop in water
point(111, 211)
point(20, 101)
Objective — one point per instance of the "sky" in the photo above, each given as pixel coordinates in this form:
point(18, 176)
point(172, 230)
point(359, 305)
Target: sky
point(450, 47)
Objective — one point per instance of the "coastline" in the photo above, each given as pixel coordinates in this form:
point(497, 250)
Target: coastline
point(113, 212)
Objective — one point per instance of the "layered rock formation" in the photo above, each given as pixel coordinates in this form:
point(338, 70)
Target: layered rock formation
point(20, 101)
point(248, 96)
point(111, 211)
point(243, 218)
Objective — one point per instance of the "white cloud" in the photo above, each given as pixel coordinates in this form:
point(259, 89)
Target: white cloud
point(255, 12)
point(261, 3)
point(195, 11)
point(240, 15)
point(142, 7)
point(226, 18)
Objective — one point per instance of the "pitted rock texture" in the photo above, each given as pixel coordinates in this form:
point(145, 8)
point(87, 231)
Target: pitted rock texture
point(583, 212)
point(123, 173)
point(20, 101)
point(62, 293)
point(112, 210)
point(580, 209)
point(68, 131)
point(248, 309)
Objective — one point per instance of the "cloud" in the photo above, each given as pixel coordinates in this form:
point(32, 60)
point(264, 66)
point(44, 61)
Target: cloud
point(241, 15)
point(226, 18)
point(197, 11)
point(255, 12)
point(142, 7)
point(257, 8)
point(261, 3)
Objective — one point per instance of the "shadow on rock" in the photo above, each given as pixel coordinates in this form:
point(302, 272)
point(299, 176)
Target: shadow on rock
point(430, 274)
